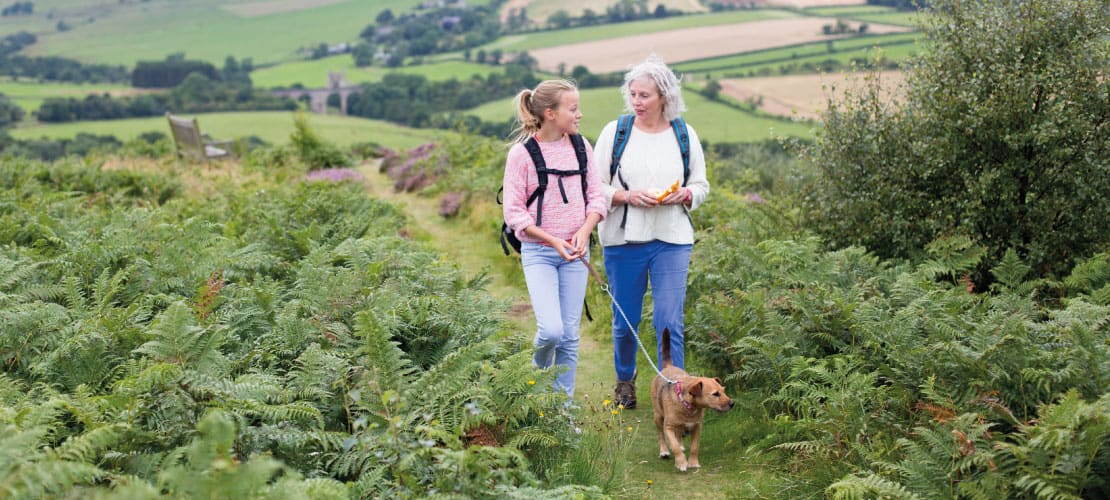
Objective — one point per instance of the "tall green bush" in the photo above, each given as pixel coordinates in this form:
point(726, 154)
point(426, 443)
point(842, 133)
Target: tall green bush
point(1003, 136)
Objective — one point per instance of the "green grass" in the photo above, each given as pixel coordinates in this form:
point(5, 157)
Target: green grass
point(846, 48)
point(539, 10)
point(869, 13)
point(714, 122)
point(543, 39)
point(271, 126)
point(313, 74)
point(29, 94)
point(848, 10)
point(892, 52)
point(123, 33)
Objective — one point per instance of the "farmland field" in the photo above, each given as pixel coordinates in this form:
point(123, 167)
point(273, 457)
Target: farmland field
point(203, 29)
point(890, 44)
point(313, 74)
point(544, 39)
point(803, 96)
point(714, 122)
point(616, 54)
point(271, 126)
point(539, 10)
point(29, 95)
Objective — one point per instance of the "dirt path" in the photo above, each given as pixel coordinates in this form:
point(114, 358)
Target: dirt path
point(644, 476)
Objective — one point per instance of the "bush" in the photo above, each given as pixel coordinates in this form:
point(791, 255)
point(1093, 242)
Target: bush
point(1002, 137)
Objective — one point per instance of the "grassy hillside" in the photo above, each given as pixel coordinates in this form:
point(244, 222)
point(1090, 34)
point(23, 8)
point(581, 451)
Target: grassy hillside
point(713, 121)
point(539, 10)
point(126, 32)
point(29, 95)
point(271, 126)
point(554, 38)
point(315, 73)
point(895, 47)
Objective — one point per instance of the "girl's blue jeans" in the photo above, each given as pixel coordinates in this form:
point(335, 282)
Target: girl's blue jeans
point(629, 268)
point(557, 289)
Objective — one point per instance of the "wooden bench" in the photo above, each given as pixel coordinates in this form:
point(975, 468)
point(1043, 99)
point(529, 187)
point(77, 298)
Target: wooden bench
point(191, 144)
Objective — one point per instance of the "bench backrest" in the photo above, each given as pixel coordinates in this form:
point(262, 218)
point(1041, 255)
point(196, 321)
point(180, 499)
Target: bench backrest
point(186, 135)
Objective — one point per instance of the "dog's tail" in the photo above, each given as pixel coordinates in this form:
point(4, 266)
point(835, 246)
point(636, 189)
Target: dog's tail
point(665, 354)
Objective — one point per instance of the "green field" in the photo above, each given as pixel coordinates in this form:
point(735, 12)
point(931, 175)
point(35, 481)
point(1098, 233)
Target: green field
point(561, 37)
point(313, 74)
point(271, 126)
point(29, 95)
point(896, 47)
point(714, 122)
point(870, 13)
point(539, 10)
point(123, 33)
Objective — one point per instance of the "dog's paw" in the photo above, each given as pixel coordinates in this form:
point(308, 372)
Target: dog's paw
point(664, 456)
point(693, 464)
point(680, 464)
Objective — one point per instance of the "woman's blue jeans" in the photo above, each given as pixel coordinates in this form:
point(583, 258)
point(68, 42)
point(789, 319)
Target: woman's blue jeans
point(557, 289)
point(629, 268)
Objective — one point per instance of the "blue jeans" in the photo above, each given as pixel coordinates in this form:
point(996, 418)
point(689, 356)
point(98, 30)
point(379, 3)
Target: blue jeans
point(629, 267)
point(558, 290)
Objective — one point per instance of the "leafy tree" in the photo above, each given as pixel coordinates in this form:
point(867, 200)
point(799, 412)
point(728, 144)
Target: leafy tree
point(559, 20)
point(1003, 136)
point(10, 113)
point(712, 90)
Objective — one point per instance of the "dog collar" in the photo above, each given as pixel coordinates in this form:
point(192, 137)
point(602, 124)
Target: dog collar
point(678, 391)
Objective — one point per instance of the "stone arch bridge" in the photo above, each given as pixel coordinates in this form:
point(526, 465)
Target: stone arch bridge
point(318, 98)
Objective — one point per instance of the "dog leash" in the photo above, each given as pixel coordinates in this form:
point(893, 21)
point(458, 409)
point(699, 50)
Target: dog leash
point(605, 288)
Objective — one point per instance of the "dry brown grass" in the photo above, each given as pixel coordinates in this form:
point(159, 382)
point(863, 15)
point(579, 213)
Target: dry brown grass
point(804, 96)
point(617, 54)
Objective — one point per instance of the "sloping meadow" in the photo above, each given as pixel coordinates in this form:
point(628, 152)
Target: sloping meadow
point(271, 337)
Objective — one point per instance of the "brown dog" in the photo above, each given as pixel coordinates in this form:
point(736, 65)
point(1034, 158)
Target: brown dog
point(679, 407)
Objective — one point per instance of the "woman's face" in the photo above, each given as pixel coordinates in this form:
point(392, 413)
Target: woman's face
point(645, 98)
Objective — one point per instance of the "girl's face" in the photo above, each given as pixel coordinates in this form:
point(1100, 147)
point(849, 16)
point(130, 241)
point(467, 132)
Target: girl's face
point(565, 118)
point(645, 98)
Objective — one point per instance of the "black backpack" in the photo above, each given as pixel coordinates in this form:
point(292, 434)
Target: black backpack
point(508, 238)
point(624, 131)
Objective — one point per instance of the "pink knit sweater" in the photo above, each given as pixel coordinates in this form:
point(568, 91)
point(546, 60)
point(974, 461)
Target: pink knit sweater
point(560, 219)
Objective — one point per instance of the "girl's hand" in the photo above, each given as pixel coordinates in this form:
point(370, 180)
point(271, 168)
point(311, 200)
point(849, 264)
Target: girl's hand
point(565, 249)
point(581, 241)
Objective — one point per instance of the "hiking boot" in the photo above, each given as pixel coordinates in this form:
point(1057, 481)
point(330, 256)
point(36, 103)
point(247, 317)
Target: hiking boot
point(625, 394)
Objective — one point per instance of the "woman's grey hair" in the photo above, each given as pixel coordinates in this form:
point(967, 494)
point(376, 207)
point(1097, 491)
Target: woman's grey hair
point(670, 87)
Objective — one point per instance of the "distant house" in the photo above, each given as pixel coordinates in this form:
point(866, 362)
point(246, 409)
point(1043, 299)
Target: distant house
point(447, 23)
point(339, 48)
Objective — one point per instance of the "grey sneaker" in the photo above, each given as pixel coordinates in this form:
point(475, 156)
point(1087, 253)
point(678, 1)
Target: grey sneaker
point(625, 394)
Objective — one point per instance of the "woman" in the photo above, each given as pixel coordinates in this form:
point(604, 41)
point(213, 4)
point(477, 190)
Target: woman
point(649, 234)
point(553, 226)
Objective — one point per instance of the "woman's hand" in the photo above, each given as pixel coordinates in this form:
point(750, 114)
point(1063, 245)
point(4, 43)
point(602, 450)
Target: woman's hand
point(677, 198)
point(641, 198)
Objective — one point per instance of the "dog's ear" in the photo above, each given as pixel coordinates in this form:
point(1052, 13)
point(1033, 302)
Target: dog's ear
point(695, 389)
point(722, 384)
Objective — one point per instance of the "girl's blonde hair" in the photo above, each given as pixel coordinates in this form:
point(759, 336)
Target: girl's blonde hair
point(531, 103)
point(669, 85)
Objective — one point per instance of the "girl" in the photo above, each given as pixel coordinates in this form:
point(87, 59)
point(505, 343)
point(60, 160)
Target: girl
point(553, 224)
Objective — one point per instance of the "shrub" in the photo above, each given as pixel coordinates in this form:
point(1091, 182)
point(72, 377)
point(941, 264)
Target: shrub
point(1003, 136)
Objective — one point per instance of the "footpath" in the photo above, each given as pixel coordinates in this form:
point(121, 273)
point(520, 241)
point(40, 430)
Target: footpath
point(645, 475)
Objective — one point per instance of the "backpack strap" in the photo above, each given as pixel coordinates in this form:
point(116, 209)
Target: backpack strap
point(533, 148)
point(683, 137)
point(583, 160)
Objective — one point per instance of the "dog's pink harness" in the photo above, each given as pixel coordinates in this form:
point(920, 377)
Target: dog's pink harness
point(678, 392)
